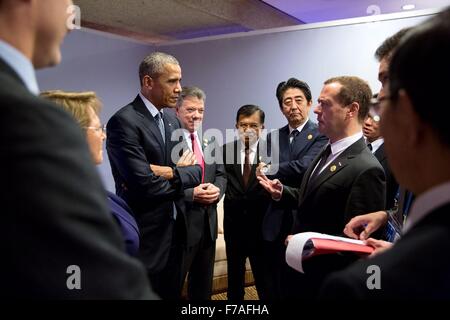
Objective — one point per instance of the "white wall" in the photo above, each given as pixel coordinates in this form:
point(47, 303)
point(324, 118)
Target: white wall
point(239, 71)
point(105, 64)
point(233, 72)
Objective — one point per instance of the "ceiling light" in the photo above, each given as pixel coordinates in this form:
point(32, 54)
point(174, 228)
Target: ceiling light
point(409, 7)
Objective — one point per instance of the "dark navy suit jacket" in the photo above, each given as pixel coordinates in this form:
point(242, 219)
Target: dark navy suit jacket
point(294, 160)
point(123, 215)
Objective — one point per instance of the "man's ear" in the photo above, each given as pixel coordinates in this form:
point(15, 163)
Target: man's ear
point(353, 110)
point(262, 126)
point(147, 82)
point(237, 127)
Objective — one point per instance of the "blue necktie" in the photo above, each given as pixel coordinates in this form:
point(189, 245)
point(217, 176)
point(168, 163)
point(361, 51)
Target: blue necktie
point(160, 122)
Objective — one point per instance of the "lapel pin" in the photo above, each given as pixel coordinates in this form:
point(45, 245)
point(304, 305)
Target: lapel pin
point(310, 136)
point(333, 168)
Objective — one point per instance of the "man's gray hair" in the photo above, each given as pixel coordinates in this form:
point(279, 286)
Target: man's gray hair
point(195, 92)
point(153, 64)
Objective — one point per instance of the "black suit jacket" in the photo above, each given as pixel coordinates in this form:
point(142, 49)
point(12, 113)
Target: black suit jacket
point(391, 182)
point(244, 207)
point(215, 174)
point(54, 212)
point(133, 143)
point(294, 160)
point(353, 184)
point(416, 267)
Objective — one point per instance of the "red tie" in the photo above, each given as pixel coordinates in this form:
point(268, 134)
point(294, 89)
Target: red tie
point(198, 155)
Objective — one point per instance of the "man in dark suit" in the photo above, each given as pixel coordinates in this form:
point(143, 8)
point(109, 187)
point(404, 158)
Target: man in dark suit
point(201, 201)
point(375, 143)
point(299, 142)
point(245, 203)
point(343, 181)
point(58, 238)
point(386, 223)
point(140, 134)
point(417, 142)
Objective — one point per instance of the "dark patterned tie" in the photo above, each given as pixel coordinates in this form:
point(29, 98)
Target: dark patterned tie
point(323, 160)
point(159, 121)
point(369, 145)
point(247, 166)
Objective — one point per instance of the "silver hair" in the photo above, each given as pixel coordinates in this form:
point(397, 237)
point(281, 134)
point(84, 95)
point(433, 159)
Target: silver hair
point(195, 92)
point(153, 64)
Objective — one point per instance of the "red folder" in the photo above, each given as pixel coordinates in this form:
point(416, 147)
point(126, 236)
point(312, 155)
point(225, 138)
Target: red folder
point(326, 246)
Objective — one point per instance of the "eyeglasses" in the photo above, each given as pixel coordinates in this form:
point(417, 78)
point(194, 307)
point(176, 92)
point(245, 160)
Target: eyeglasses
point(101, 128)
point(375, 109)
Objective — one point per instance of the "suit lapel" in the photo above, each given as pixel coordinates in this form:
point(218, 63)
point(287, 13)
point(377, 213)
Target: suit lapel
point(209, 168)
point(380, 154)
point(169, 127)
point(308, 173)
point(283, 141)
point(336, 165)
point(148, 121)
point(302, 140)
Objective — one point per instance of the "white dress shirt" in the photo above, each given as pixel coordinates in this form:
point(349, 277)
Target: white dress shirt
point(153, 110)
point(376, 144)
point(187, 137)
point(338, 147)
point(21, 65)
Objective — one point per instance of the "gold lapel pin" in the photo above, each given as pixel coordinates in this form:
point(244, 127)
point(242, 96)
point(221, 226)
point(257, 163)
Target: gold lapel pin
point(310, 136)
point(333, 168)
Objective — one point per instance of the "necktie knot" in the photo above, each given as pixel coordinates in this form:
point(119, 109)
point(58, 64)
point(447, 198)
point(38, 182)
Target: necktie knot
point(369, 145)
point(293, 135)
point(322, 161)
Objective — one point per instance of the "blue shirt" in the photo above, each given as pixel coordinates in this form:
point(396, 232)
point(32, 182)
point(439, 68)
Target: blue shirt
point(21, 65)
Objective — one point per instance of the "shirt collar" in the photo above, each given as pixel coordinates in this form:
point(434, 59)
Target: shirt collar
point(252, 146)
point(299, 128)
point(376, 144)
point(341, 145)
point(153, 110)
point(187, 134)
point(426, 203)
point(21, 65)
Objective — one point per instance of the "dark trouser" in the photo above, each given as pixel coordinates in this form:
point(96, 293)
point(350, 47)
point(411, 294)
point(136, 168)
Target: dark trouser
point(199, 265)
point(237, 254)
point(274, 267)
point(168, 282)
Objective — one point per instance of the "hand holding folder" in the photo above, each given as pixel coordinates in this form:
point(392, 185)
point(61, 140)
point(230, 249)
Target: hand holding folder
point(305, 245)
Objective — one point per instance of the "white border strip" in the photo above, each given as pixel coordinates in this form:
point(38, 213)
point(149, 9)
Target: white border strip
point(360, 20)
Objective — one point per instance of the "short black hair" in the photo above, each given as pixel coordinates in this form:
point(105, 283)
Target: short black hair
point(388, 46)
point(421, 67)
point(248, 110)
point(292, 83)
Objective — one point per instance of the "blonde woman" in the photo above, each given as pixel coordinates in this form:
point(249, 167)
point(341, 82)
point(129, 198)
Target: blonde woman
point(85, 108)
